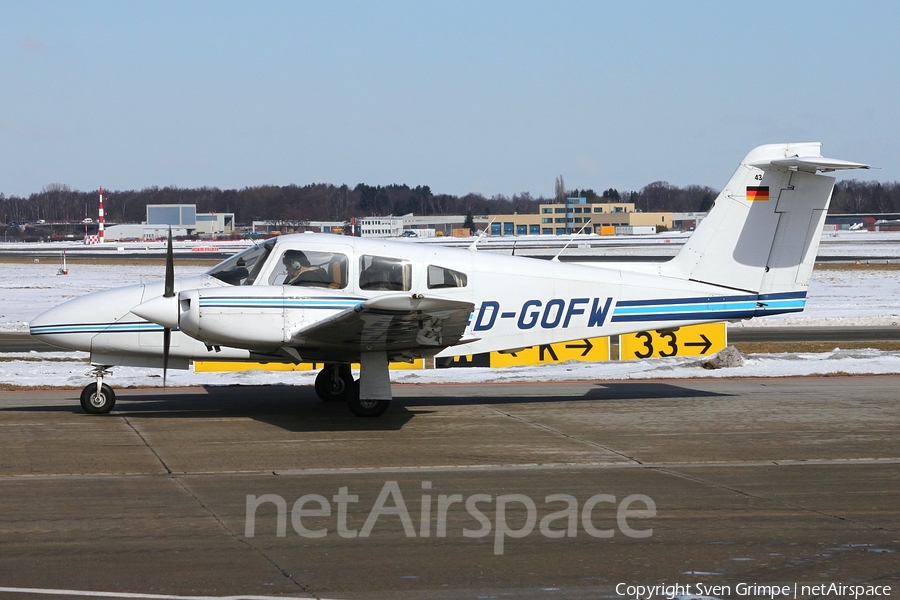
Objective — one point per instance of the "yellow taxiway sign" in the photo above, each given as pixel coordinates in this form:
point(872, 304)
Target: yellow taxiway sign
point(695, 340)
point(588, 350)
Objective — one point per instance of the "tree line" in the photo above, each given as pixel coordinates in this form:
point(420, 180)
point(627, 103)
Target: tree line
point(314, 202)
point(326, 202)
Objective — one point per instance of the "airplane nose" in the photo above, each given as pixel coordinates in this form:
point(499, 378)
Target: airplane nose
point(73, 324)
point(66, 325)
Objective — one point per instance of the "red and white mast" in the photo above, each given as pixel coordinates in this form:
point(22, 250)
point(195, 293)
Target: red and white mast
point(100, 217)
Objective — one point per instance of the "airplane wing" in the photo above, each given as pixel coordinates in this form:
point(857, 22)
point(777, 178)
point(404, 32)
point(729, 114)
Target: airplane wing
point(401, 325)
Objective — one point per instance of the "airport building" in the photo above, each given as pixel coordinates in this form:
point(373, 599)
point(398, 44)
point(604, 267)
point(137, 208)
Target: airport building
point(184, 220)
point(863, 222)
point(279, 227)
point(421, 226)
point(142, 231)
point(381, 226)
point(606, 218)
point(578, 214)
point(187, 217)
point(214, 224)
point(176, 215)
point(573, 216)
point(389, 226)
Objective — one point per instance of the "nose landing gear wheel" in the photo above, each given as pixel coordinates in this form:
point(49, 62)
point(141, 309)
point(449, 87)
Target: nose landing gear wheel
point(97, 403)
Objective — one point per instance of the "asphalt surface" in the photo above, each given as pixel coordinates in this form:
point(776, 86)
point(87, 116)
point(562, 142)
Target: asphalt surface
point(758, 481)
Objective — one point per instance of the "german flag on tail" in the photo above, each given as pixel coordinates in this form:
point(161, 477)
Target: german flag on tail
point(757, 193)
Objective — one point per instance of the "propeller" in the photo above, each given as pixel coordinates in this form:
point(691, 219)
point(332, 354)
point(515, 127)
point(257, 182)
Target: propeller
point(163, 310)
point(169, 292)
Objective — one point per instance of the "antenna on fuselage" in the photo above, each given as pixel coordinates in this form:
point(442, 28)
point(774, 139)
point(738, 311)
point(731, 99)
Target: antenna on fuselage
point(474, 245)
point(572, 239)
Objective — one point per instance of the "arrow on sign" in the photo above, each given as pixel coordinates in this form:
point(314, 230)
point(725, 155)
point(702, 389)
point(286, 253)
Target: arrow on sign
point(546, 348)
point(705, 343)
point(587, 345)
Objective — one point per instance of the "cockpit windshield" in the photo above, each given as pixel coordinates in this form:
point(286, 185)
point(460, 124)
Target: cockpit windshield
point(242, 268)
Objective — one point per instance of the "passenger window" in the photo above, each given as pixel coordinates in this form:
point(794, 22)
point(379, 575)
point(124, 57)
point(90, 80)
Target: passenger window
point(311, 269)
point(439, 277)
point(381, 273)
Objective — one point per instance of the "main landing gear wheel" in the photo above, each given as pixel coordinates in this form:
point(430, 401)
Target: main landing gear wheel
point(367, 408)
point(335, 383)
point(97, 403)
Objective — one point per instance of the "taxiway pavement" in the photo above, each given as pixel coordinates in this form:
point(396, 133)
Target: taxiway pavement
point(767, 481)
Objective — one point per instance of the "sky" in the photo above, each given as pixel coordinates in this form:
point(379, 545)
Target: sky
point(486, 97)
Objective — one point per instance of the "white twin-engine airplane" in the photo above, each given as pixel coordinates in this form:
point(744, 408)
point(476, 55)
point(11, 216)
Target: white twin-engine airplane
point(339, 300)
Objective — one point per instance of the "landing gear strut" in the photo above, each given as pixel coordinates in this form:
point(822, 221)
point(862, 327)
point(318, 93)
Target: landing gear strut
point(98, 398)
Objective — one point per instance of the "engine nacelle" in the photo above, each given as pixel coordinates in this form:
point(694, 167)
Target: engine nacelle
point(259, 318)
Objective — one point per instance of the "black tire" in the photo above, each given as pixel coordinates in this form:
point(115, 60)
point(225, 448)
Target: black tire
point(330, 390)
point(97, 404)
point(367, 408)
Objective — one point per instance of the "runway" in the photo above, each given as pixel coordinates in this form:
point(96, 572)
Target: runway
point(766, 481)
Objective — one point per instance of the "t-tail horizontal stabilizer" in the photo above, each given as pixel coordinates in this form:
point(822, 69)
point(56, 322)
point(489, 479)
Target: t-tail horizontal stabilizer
point(763, 232)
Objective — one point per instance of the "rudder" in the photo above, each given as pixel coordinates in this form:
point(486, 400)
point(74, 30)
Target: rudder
point(763, 231)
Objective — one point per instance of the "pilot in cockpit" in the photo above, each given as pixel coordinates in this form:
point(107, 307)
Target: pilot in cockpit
point(300, 272)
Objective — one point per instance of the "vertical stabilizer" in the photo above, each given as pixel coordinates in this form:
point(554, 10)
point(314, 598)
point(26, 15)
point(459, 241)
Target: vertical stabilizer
point(763, 231)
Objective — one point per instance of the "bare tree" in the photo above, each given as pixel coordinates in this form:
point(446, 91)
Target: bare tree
point(53, 201)
point(560, 189)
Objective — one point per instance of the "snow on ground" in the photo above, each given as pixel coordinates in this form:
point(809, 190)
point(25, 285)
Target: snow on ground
point(29, 289)
point(854, 243)
point(844, 298)
point(836, 297)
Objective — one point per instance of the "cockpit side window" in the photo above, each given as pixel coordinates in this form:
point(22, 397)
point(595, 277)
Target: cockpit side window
point(440, 277)
point(242, 268)
point(311, 269)
point(383, 273)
